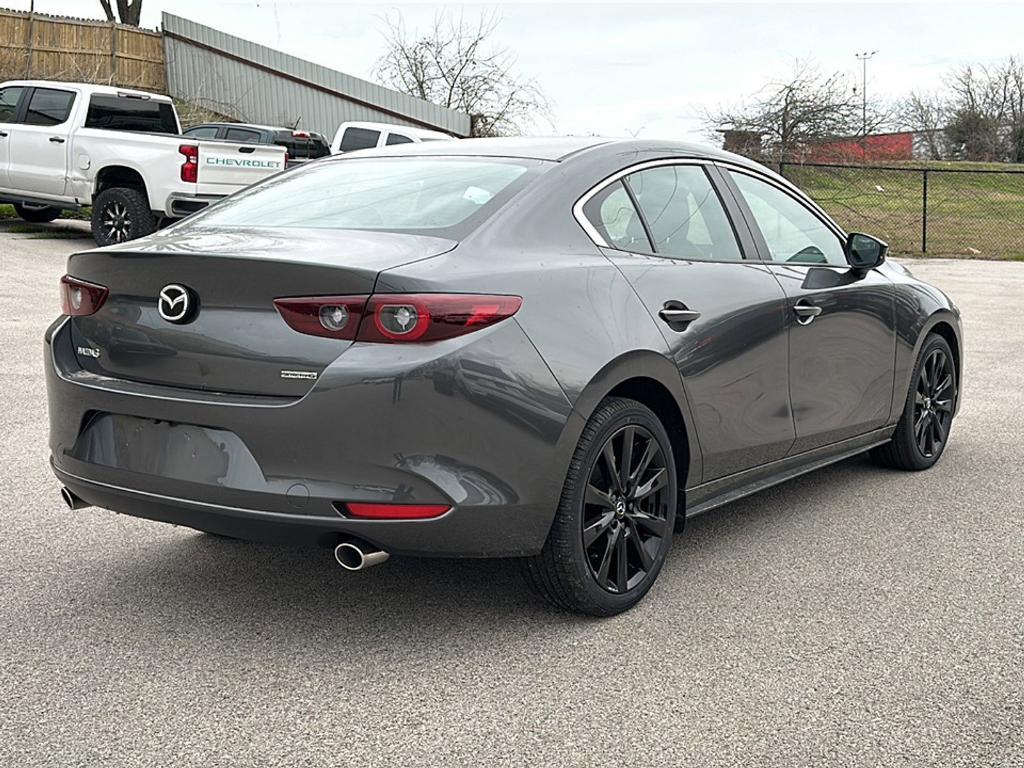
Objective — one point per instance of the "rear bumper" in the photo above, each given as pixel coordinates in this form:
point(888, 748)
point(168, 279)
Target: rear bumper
point(473, 423)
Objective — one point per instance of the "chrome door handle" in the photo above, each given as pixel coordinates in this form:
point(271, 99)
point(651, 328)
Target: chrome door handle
point(806, 312)
point(56, 140)
point(677, 315)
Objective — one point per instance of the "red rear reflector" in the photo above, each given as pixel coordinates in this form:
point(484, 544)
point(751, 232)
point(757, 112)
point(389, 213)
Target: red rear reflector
point(190, 166)
point(395, 511)
point(77, 297)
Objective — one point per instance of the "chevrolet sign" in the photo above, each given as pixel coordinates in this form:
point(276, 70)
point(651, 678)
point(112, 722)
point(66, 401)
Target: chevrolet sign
point(239, 162)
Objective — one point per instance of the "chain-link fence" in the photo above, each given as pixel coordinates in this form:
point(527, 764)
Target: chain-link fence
point(937, 211)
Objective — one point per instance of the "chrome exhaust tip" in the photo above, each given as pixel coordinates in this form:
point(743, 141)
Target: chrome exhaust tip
point(357, 555)
point(71, 500)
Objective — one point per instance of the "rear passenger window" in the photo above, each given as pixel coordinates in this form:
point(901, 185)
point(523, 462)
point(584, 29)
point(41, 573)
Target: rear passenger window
point(359, 138)
point(126, 113)
point(397, 138)
point(612, 214)
point(683, 213)
point(9, 103)
point(49, 106)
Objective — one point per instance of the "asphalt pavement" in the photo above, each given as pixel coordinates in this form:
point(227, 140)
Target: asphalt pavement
point(854, 617)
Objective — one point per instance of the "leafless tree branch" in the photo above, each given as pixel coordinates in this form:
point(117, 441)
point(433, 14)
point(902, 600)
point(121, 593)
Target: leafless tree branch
point(790, 115)
point(453, 65)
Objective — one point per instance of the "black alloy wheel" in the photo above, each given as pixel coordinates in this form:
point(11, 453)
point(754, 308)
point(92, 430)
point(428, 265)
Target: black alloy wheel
point(934, 397)
point(120, 214)
point(625, 509)
point(613, 527)
point(116, 221)
point(923, 429)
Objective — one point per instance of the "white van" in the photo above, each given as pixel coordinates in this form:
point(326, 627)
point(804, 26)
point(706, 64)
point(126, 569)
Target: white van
point(353, 136)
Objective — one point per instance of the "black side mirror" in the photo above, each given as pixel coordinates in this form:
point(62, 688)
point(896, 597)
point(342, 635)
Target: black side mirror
point(864, 252)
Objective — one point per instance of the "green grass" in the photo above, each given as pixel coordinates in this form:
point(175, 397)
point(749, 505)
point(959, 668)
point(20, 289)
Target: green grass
point(83, 214)
point(978, 215)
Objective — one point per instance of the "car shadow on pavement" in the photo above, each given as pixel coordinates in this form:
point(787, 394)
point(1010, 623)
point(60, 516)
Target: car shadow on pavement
point(288, 593)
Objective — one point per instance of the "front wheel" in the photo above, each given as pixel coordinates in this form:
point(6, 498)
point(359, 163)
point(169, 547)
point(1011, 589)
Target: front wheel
point(120, 214)
point(923, 429)
point(37, 214)
point(613, 527)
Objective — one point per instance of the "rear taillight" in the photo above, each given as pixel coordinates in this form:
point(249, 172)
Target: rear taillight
point(190, 166)
point(78, 297)
point(393, 511)
point(336, 317)
point(396, 318)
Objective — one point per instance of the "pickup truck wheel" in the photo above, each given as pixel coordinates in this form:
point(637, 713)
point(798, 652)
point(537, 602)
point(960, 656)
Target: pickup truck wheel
point(37, 214)
point(120, 214)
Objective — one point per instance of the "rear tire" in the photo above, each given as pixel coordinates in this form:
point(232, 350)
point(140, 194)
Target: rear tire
point(923, 429)
point(120, 214)
point(37, 214)
point(613, 529)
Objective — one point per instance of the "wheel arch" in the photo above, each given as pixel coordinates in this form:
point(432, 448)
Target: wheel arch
point(654, 380)
point(947, 325)
point(119, 175)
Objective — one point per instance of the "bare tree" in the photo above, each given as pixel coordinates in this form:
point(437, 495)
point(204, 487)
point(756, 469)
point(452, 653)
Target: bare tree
point(926, 114)
point(986, 120)
point(454, 65)
point(792, 114)
point(128, 11)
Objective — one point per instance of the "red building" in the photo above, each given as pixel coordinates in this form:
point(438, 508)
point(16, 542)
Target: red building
point(876, 147)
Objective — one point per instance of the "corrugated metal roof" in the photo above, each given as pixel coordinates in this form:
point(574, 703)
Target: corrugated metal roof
point(252, 82)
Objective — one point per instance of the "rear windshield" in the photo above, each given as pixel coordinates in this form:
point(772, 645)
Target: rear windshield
point(119, 113)
point(447, 196)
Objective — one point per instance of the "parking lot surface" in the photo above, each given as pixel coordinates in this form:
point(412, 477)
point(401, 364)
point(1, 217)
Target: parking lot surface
point(853, 617)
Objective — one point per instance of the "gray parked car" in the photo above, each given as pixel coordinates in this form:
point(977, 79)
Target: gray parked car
point(555, 350)
point(300, 146)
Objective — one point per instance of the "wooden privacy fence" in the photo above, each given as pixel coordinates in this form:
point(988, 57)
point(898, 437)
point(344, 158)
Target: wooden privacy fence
point(42, 47)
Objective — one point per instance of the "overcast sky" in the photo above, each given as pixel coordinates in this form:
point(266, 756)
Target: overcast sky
point(621, 68)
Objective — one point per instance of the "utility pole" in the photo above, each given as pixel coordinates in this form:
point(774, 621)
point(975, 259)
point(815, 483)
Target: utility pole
point(863, 58)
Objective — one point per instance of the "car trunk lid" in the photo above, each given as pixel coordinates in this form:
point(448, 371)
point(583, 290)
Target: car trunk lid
point(232, 339)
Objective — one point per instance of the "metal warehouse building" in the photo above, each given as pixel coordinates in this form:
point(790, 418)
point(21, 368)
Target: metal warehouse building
point(244, 80)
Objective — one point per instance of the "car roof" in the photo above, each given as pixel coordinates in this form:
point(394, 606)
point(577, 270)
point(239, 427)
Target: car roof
point(255, 126)
point(87, 88)
point(557, 148)
point(407, 130)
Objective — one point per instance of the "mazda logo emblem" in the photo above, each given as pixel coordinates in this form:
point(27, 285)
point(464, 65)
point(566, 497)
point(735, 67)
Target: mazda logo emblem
point(177, 304)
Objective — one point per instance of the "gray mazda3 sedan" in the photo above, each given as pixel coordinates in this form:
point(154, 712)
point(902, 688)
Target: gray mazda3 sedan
point(555, 350)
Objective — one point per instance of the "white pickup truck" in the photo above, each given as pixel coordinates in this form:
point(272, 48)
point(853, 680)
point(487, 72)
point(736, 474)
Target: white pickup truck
point(68, 145)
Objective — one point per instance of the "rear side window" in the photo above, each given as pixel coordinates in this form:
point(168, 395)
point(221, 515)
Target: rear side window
point(614, 216)
point(359, 138)
point(243, 135)
point(9, 102)
point(49, 106)
point(397, 138)
point(203, 132)
point(683, 213)
point(442, 195)
point(121, 113)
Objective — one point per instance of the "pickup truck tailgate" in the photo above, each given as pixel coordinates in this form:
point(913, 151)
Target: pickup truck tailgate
point(226, 167)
